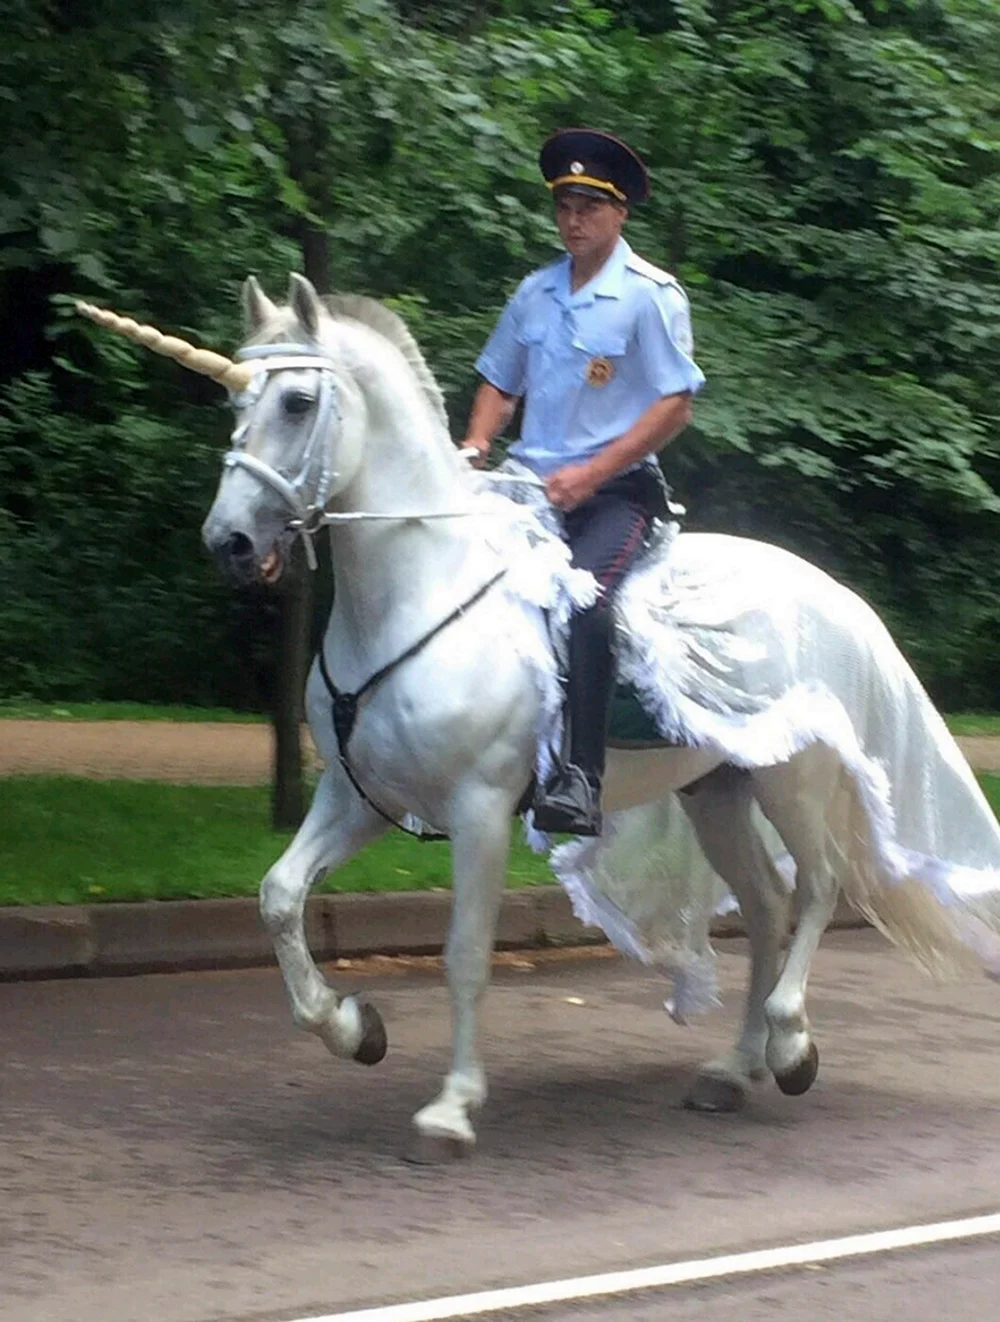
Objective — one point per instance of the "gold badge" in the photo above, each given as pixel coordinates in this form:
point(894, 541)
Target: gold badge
point(599, 371)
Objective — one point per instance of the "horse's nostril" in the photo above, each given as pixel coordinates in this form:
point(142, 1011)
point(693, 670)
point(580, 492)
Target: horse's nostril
point(234, 557)
point(238, 547)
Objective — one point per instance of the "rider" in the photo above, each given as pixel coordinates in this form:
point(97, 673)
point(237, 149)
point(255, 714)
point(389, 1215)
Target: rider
point(599, 345)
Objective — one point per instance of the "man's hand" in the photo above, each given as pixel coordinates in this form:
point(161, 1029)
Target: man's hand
point(482, 449)
point(572, 485)
point(491, 411)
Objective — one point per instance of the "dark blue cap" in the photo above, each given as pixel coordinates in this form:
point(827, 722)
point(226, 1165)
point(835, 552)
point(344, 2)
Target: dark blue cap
point(593, 163)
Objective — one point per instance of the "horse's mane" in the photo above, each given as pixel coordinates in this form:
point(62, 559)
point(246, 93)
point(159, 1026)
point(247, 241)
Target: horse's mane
point(377, 317)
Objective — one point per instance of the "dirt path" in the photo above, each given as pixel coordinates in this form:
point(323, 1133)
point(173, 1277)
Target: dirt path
point(213, 753)
point(983, 751)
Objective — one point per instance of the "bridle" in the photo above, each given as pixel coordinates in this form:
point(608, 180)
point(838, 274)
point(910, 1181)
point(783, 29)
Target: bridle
point(308, 515)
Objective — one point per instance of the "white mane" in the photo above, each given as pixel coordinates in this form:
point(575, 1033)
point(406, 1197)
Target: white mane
point(377, 317)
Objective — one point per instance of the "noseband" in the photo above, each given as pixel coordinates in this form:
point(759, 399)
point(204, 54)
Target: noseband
point(307, 515)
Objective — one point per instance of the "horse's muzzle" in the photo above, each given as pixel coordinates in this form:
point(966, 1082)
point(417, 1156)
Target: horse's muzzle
point(236, 558)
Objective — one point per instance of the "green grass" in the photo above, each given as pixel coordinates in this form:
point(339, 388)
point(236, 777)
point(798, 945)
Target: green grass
point(991, 788)
point(27, 709)
point(71, 841)
point(974, 723)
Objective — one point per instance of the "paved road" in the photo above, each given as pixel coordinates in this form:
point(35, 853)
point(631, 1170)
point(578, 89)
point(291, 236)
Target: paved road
point(172, 1151)
point(957, 1284)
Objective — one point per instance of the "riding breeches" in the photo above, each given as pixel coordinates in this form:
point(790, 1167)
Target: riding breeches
point(605, 535)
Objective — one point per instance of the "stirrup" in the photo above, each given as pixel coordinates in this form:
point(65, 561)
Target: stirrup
point(570, 803)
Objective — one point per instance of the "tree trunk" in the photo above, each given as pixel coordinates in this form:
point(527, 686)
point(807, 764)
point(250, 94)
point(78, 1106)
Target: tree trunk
point(288, 794)
point(316, 257)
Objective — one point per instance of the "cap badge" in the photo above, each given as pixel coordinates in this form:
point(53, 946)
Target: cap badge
point(576, 167)
point(599, 372)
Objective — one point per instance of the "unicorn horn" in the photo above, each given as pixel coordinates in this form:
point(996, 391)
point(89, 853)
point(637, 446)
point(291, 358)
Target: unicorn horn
point(234, 376)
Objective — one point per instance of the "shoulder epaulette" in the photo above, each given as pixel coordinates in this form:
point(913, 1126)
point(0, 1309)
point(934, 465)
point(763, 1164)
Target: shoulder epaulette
point(641, 267)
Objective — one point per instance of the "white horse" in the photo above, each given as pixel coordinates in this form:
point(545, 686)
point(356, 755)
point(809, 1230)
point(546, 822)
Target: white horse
point(338, 414)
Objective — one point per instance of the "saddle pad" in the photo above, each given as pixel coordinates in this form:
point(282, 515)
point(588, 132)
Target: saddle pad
point(630, 725)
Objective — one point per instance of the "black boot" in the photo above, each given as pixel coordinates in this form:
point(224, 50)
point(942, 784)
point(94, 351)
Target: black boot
point(571, 800)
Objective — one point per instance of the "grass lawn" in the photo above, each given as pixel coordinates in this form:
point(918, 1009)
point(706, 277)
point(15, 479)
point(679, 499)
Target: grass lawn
point(28, 710)
point(71, 841)
point(991, 788)
point(974, 723)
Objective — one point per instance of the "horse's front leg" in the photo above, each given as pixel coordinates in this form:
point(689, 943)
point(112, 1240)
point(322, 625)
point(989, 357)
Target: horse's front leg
point(481, 822)
point(337, 825)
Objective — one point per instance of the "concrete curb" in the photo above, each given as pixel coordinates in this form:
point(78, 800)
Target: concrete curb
point(102, 940)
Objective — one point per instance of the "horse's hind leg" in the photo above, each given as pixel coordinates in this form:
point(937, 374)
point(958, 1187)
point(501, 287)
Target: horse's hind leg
point(720, 810)
point(796, 796)
point(337, 825)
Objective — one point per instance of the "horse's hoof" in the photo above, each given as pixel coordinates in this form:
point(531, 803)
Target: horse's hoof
point(374, 1043)
point(436, 1150)
point(796, 1081)
point(717, 1094)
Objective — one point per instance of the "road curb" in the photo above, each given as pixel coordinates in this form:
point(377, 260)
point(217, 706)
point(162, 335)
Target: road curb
point(103, 940)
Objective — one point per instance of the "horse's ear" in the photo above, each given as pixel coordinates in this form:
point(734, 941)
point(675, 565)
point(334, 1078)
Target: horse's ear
point(305, 303)
point(257, 307)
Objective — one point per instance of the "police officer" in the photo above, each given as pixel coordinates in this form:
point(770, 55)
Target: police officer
point(599, 346)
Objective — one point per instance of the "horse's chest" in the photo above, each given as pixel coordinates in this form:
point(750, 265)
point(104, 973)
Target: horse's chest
point(429, 723)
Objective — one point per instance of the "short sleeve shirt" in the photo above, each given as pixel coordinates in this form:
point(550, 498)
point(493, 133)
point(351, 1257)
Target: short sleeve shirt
point(590, 363)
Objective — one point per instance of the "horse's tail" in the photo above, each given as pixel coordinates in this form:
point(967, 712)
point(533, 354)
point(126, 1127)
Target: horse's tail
point(945, 916)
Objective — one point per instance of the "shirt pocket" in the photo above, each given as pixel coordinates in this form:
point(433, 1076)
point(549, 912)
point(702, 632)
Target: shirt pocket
point(531, 339)
point(532, 333)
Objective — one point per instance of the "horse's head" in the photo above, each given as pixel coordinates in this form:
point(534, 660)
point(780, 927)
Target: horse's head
point(297, 440)
point(299, 425)
point(316, 380)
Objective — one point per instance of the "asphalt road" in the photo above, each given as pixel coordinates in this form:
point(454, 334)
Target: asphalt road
point(172, 1150)
point(957, 1284)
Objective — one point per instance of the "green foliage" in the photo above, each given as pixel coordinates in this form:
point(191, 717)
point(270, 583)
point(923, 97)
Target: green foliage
point(827, 185)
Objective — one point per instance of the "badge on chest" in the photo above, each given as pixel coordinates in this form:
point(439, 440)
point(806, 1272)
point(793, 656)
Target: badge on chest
point(599, 372)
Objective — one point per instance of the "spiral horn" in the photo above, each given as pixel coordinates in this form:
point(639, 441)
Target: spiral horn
point(234, 376)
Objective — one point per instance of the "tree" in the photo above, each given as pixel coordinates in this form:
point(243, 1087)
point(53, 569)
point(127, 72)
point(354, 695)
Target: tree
point(826, 186)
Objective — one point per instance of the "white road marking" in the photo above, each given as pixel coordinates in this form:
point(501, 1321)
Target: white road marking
point(674, 1273)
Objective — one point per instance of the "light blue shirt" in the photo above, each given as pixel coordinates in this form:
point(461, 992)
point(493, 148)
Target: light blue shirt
point(590, 363)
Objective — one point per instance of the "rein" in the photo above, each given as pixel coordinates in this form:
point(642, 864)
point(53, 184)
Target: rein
point(345, 705)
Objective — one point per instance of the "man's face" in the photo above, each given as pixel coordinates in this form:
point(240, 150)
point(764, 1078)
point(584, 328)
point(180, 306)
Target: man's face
point(589, 226)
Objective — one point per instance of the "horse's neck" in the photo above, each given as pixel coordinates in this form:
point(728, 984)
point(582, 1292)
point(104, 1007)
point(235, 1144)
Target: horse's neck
point(394, 581)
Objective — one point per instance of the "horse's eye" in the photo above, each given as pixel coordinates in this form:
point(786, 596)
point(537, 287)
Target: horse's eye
point(297, 402)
